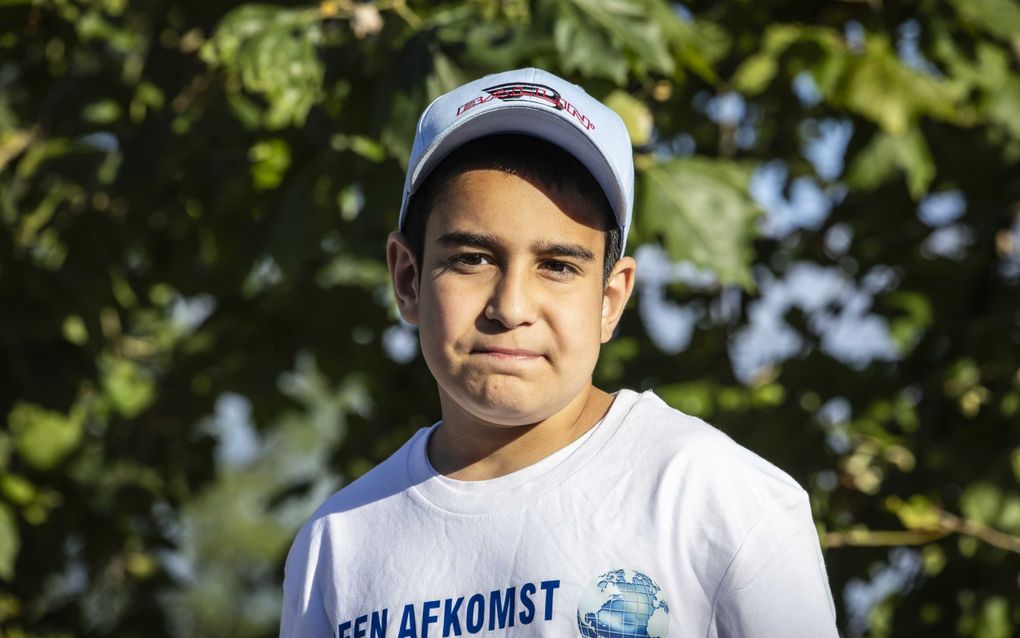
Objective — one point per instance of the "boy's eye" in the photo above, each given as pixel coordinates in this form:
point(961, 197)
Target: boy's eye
point(469, 259)
point(560, 267)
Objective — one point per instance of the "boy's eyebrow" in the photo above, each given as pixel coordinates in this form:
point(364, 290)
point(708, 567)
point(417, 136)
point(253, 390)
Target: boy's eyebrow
point(577, 251)
point(460, 238)
point(478, 240)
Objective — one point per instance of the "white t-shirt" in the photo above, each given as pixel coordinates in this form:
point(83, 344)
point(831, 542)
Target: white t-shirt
point(652, 524)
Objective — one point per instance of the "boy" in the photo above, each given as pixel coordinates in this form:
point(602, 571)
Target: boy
point(540, 505)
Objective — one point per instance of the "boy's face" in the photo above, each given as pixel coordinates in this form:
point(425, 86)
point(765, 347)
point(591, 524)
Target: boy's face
point(510, 305)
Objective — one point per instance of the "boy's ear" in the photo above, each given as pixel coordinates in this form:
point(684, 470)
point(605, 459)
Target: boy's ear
point(617, 291)
point(404, 275)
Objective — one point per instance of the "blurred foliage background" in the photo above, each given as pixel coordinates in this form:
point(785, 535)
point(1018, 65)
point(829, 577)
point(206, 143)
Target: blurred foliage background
point(197, 342)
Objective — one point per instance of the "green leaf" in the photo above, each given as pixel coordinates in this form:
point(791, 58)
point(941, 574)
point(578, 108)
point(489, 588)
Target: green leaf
point(6, 448)
point(349, 270)
point(1010, 404)
point(1009, 515)
point(755, 74)
point(994, 620)
point(703, 213)
point(878, 86)
point(245, 110)
point(445, 76)
point(613, 358)
point(517, 46)
point(963, 375)
point(874, 83)
point(17, 489)
point(273, 52)
point(933, 559)
point(696, 44)
point(629, 24)
point(908, 328)
point(43, 437)
point(238, 26)
point(614, 38)
point(101, 112)
point(270, 161)
point(285, 68)
point(768, 395)
point(398, 132)
point(129, 390)
point(93, 26)
point(582, 48)
point(40, 152)
point(366, 147)
point(12, 143)
point(758, 71)
point(74, 330)
point(885, 153)
point(635, 114)
point(918, 512)
point(999, 17)
point(981, 502)
point(693, 397)
point(1004, 106)
point(147, 96)
point(10, 542)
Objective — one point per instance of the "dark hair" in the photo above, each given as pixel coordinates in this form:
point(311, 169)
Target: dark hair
point(523, 155)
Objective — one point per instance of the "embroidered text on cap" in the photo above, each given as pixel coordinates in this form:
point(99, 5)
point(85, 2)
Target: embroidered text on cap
point(538, 93)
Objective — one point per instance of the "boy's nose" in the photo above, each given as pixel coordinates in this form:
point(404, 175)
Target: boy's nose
point(510, 303)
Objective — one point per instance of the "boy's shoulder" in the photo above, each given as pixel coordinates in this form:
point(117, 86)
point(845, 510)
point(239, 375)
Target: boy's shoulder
point(373, 489)
point(678, 442)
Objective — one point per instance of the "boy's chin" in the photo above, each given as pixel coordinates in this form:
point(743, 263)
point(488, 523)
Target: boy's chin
point(507, 408)
point(509, 413)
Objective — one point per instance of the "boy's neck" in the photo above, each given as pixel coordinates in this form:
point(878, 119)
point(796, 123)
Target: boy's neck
point(467, 449)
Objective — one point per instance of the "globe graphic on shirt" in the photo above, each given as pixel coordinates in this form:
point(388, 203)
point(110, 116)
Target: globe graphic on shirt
point(622, 604)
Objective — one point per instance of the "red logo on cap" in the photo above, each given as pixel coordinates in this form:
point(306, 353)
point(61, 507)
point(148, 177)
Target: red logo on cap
point(538, 93)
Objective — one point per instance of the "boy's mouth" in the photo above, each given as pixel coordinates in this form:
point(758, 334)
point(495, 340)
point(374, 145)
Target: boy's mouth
point(508, 353)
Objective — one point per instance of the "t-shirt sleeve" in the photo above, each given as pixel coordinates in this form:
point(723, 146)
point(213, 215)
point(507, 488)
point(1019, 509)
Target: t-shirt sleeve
point(776, 585)
point(303, 614)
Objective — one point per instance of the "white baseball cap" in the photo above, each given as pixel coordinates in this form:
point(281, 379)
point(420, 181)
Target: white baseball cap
point(529, 102)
